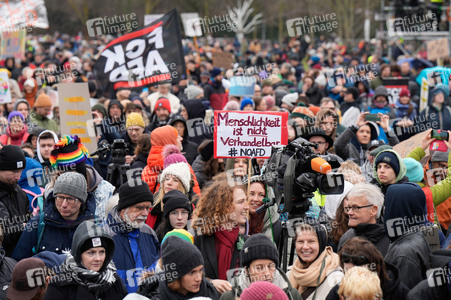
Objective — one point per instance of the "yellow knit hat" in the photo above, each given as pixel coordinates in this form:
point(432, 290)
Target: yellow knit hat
point(134, 119)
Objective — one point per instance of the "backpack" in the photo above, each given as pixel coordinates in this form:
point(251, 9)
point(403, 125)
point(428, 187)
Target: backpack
point(37, 203)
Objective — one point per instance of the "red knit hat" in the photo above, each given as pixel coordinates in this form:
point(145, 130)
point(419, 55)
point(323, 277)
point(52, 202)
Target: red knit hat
point(404, 92)
point(163, 102)
point(262, 290)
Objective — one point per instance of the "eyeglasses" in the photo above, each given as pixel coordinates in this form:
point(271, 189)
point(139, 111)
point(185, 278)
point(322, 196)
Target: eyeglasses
point(356, 208)
point(320, 143)
point(261, 268)
point(357, 260)
point(176, 213)
point(70, 200)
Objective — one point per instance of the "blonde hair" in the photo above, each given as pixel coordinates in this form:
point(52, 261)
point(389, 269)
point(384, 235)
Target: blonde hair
point(349, 165)
point(360, 283)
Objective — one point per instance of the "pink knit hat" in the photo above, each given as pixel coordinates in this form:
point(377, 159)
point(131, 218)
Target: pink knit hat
point(270, 101)
point(262, 290)
point(172, 155)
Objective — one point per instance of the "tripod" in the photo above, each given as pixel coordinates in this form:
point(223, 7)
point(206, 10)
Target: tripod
point(117, 173)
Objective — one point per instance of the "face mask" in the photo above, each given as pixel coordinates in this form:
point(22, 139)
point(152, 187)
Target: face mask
point(379, 104)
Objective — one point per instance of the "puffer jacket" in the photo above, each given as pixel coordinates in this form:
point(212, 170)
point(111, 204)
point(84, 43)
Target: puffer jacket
point(58, 233)
point(241, 282)
point(6, 270)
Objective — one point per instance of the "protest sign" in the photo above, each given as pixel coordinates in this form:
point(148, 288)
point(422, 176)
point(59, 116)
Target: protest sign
point(405, 147)
point(248, 134)
point(148, 19)
point(5, 87)
point(75, 113)
point(19, 14)
point(12, 44)
point(222, 59)
point(145, 57)
point(242, 86)
point(394, 86)
point(191, 24)
point(424, 94)
point(437, 49)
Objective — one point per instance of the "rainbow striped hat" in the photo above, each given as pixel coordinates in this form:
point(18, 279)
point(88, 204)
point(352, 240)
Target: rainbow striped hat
point(68, 151)
point(181, 233)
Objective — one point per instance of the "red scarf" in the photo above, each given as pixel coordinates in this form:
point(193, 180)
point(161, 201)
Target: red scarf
point(224, 244)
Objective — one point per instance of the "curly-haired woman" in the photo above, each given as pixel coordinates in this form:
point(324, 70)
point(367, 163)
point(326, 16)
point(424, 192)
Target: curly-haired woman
point(220, 211)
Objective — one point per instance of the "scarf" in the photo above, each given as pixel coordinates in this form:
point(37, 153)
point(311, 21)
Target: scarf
point(301, 278)
point(91, 280)
point(224, 244)
point(256, 222)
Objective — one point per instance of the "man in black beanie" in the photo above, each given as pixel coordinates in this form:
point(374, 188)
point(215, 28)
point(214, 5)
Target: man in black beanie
point(259, 258)
point(14, 204)
point(137, 246)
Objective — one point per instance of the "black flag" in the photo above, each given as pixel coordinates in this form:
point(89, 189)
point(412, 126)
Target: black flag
point(144, 57)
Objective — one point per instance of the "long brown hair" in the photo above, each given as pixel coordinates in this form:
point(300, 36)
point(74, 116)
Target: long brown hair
point(143, 144)
point(340, 223)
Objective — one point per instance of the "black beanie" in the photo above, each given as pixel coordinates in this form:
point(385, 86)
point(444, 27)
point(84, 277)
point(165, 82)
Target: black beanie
point(12, 158)
point(207, 152)
point(133, 192)
point(175, 199)
point(258, 246)
point(179, 258)
point(390, 159)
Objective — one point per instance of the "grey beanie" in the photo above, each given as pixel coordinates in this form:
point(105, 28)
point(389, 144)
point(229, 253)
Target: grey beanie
point(193, 91)
point(72, 184)
point(440, 156)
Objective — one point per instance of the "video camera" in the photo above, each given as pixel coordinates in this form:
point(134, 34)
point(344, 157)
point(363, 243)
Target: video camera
point(118, 151)
point(295, 172)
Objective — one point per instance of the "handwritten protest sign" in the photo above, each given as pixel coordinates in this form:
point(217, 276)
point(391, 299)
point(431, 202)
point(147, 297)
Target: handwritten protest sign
point(405, 147)
point(191, 24)
point(222, 59)
point(249, 134)
point(394, 86)
point(75, 113)
point(437, 49)
point(424, 94)
point(242, 86)
point(12, 44)
point(5, 87)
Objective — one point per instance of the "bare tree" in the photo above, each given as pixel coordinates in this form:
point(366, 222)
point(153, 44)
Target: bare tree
point(240, 16)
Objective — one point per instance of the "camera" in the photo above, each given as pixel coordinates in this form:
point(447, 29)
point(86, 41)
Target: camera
point(295, 172)
point(118, 151)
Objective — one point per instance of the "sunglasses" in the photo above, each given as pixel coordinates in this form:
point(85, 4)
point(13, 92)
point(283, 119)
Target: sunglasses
point(356, 260)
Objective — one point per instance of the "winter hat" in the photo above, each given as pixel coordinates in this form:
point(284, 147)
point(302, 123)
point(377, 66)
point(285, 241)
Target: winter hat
point(270, 101)
point(162, 102)
point(171, 154)
point(69, 151)
point(315, 59)
point(415, 171)
point(290, 99)
point(18, 101)
point(389, 158)
point(263, 290)
point(302, 112)
point(100, 107)
point(440, 156)
point(207, 152)
point(15, 114)
point(72, 184)
point(375, 143)
point(314, 109)
point(20, 282)
point(246, 101)
point(354, 91)
point(29, 82)
point(232, 105)
point(180, 233)
point(193, 91)
point(175, 199)
point(205, 74)
point(12, 158)
point(133, 192)
point(379, 149)
point(404, 92)
point(215, 72)
point(380, 91)
point(258, 246)
point(134, 119)
point(181, 171)
point(181, 254)
point(441, 88)
point(316, 131)
point(43, 101)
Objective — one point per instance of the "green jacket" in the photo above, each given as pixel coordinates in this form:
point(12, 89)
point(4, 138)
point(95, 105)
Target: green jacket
point(402, 167)
point(442, 190)
point(44, 122)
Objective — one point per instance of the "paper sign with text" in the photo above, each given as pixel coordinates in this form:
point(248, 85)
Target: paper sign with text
point(76, 114)
point(12, 44)
point(242, 86)
point(437, 48)
point(249, 134)
point(5, 87)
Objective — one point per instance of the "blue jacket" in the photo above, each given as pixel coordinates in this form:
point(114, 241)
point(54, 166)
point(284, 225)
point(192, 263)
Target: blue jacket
point(431, 117)
point(146, 247)
point(57, 234)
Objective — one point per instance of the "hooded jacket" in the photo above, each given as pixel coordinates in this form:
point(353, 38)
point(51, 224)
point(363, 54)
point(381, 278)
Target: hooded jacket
point(58, 233)
point(189, 147)
point(69, 289)
point(38, 150)
point(405, 214)
point(110, 127)
point(432, 117)
point(102, 189)
point(44, 122)
point(400, 178)
point(6, 271)
point(135, 248)
point(31, 178)
point(215, 92)
point(198, 131)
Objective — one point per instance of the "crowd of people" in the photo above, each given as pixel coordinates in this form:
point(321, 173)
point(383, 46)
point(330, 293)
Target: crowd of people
point(186, 224)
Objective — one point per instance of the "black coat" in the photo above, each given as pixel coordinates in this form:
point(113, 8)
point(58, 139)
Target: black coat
point(140, 161)
point(15, 211)
point(6, 270)
point(375, 233)
point(70, 290)
point(189, 150)
point(206, 245)
point(424, 291)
